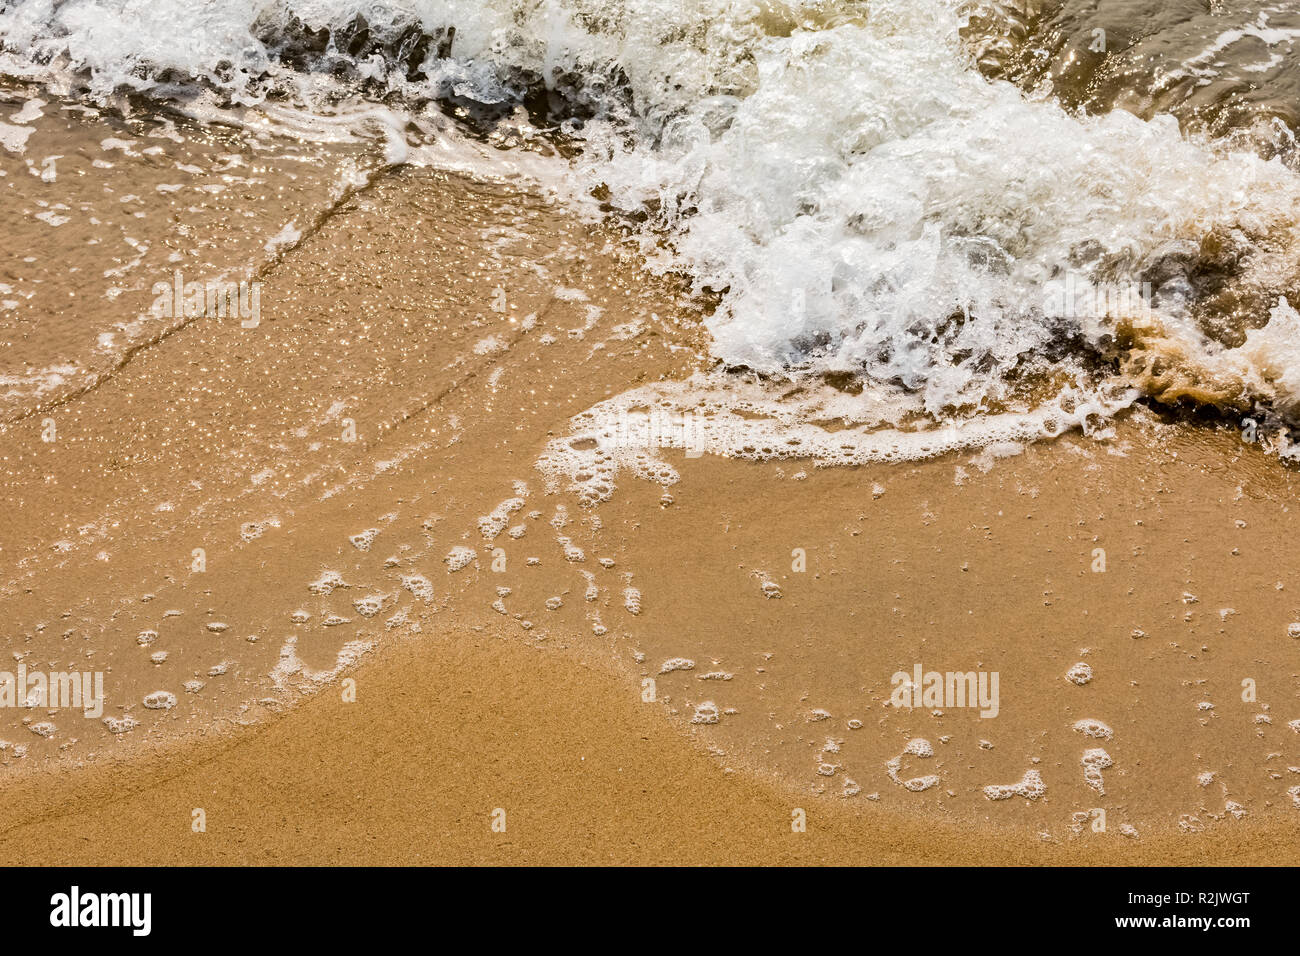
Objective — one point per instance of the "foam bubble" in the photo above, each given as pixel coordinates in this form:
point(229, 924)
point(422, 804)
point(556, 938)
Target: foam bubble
point(750, 420)
point(1094, 761)
point(362, 540)
point(419, 586)
point(120, 725)
point(370, 605)
point(1030, 786)
point(327, 582)
point(1079, 674)
point(458, 557)
point(917, 747)
point(492, 524)
point(1091, 727)
point(706, 712)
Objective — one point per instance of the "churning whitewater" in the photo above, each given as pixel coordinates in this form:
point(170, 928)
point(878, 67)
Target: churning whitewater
point(848, 191)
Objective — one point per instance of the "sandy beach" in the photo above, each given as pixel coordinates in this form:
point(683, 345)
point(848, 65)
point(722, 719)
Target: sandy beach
point(462, 531)
point(479, 722)
point(472, 693)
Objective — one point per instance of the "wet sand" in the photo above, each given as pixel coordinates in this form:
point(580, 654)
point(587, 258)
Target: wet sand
point(417, 348)
point(440, 737)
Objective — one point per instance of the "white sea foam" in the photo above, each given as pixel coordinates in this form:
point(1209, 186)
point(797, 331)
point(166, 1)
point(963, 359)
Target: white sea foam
point(862, 197)
point(728, 416)
point(917, 747)
point(1031, 787)
point(1091, 727)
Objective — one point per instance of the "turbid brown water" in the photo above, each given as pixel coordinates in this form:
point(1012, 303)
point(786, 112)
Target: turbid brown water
point(1213, 64)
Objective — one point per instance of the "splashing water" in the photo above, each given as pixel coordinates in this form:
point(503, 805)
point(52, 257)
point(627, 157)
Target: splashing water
point(859, 198)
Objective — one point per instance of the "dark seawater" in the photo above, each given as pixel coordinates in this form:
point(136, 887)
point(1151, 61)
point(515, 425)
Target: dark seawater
point(1220, 66)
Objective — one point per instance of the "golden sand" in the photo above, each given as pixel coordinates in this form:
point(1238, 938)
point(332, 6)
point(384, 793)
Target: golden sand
point(417, 347)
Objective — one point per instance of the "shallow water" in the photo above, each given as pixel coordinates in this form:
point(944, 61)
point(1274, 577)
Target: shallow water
point(840, 176)
point(909, 229)
point(1223, 66)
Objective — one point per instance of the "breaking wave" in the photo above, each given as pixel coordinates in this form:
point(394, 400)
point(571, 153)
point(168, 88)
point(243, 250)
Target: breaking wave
point(854, 189)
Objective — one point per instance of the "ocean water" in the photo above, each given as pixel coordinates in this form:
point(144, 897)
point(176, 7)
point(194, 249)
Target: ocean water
point(965, 210)
point(907, 228)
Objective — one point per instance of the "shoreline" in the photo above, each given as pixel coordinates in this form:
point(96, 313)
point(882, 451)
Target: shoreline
point(375, 558)
point(586, 775)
